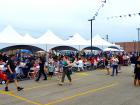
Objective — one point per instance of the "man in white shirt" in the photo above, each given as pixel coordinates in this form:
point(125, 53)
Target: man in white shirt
point(80, 64)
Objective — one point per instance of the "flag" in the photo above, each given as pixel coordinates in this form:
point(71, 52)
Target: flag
point(124, 15)
point(71, 36)
point(96, 14)
point(104, 1)
point(121, 16)
point(129, 15)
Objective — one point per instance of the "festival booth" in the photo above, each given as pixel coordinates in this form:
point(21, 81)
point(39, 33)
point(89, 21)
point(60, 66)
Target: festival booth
point(10, 39)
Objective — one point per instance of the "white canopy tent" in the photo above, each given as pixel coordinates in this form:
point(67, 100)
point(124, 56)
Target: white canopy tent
point(28, 39)
point(9, 35)
point(49, 38)
point(77, 39)
point(97, 41)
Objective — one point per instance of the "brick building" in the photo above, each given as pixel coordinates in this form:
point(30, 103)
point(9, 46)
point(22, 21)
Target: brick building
point(130, 46)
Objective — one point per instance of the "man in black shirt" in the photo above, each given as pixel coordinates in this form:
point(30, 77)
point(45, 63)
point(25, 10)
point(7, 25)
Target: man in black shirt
point(41, 69)
point(11, 73)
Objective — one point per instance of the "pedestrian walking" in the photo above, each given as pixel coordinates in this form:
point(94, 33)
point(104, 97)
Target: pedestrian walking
point(115, 65)
point(41, 69)
point(133, 60)
point(137, 72)
point(11, 73)
point(107, 65)
point(66, 71)
point(120, 63)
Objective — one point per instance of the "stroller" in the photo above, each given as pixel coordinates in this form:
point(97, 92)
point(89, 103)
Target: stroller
point(101, 64)
point(3, 78)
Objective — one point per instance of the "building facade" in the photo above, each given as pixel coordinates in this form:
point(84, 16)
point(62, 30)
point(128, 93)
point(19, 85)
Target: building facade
point(129, 46)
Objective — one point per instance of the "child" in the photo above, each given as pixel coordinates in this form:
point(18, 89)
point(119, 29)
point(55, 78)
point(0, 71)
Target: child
point(51, 69)
point(57, 69)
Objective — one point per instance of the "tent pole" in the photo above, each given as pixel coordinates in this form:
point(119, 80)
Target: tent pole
point(79, 47)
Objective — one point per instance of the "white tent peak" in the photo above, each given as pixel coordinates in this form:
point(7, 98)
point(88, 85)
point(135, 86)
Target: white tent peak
point(8, 28)
point(97, 40)
point(77, 39)
point(50, 38)
point(78, 36)
point(10, 35)
point(98, 37)
point(50, 35)
point(49, 32)
point(10, 31)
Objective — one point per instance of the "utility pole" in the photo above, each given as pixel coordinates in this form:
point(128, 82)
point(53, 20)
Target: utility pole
point(138, 45)
point(107, 38)
point(91, 30)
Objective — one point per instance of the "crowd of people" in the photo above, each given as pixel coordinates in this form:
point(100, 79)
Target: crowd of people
point(31, 66)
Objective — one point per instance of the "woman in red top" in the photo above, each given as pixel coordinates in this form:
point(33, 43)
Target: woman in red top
point(120, 58)
point(92, 63)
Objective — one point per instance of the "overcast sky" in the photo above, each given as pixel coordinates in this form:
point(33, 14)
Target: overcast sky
point(67, 17)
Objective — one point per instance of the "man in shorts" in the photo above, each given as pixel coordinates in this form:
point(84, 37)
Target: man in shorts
point(11, 73)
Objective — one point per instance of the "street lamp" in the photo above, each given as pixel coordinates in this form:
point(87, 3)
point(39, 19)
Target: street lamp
point(91, 30)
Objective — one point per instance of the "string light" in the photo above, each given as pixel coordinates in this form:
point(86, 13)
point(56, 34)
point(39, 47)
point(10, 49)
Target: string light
point(123, 16)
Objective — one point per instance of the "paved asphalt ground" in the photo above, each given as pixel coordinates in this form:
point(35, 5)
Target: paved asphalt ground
point(88, 88)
